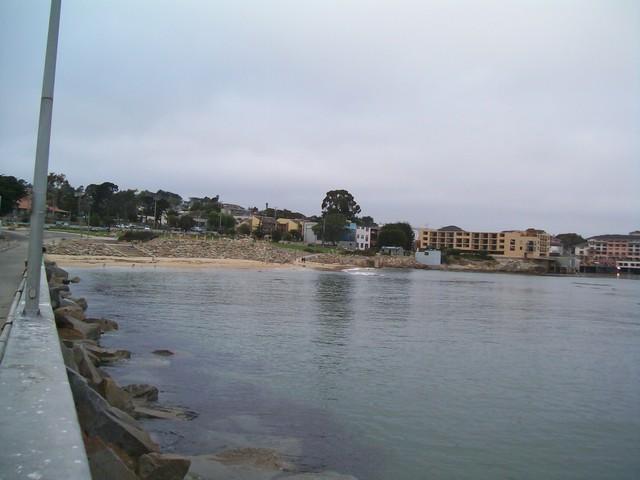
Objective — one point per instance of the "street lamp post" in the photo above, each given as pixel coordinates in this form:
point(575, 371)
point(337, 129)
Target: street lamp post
point(39, 200)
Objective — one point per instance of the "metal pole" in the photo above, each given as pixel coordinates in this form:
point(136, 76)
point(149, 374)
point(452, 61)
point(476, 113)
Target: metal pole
point(155, 213)
point(39, 195)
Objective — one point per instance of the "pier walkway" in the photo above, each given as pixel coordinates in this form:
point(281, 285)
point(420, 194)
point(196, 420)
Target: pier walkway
point(40, 434)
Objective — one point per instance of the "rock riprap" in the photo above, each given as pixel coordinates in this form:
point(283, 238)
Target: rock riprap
point(181, 247)
point(117, 446)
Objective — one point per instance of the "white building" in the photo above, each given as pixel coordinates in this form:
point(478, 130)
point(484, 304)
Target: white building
point(363, 238)
point(308, 235)
point(432, 258)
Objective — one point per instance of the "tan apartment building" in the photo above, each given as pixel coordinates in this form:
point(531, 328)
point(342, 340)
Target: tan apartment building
point(528, 243)
point(608, 249)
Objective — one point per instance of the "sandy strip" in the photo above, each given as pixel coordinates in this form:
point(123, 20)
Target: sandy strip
point(101, 261)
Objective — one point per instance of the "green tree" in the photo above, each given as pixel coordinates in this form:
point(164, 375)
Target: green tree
point(11, 190)
point(258, 233)
point(276, 236)
point(282, 213)
point(365, 221)
point(244, 229)
point(220, 222)
point(392, 238)
point(403, 227)
point(206, 204)
point(342, 202)
point(60, 193)
point(100, 198)
point(173, 219)
point(173, 199)
point(186, 222)
point(570, 240)
point(331, 227)
point(125, 205)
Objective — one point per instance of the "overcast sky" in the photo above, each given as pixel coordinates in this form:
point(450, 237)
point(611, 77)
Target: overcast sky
point(488, 115)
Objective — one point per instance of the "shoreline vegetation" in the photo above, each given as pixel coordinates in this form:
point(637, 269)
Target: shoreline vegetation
point(117, 445)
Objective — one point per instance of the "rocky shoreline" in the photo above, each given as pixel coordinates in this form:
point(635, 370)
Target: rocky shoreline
point(117, 445)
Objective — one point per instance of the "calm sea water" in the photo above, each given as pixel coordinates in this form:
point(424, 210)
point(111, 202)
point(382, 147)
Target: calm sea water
point(388, 374)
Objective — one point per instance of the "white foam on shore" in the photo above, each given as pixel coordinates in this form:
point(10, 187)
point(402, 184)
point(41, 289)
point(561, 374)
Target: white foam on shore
point(367, 272)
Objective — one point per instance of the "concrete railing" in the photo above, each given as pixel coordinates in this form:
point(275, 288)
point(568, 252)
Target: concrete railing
point(39, 429)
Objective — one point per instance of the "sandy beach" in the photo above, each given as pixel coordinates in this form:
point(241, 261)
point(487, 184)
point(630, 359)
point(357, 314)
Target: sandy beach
point(105, 261)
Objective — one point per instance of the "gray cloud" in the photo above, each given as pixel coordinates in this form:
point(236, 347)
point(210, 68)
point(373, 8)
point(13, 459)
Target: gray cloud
point(485, 114)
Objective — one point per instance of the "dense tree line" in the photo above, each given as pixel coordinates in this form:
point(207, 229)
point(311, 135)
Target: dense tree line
point(101, 203)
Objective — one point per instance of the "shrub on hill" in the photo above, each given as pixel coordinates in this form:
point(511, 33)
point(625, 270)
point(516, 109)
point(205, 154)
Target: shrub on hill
point(137, 235)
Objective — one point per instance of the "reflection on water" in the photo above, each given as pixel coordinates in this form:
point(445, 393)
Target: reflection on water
point(388, 374)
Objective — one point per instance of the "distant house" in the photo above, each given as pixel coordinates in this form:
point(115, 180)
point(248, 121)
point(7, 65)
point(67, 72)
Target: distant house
point(308, 235)
point(23, 208)
point(581, 251)
point(386, 250)
point(555, 247)
point(236, 211)
point(287, 225)
point(348, 237)
point(363, 238)
point(266, 224)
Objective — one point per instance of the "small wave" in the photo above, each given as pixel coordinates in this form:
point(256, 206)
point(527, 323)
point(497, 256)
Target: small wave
point(368, 272)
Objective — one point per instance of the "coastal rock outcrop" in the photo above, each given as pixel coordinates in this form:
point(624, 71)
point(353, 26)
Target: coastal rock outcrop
point(163, 352)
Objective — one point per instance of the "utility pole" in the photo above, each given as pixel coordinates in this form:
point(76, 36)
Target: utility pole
point(155, 212)
point(39, 196)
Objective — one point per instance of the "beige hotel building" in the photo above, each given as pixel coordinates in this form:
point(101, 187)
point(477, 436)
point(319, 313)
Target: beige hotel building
point(528, 243)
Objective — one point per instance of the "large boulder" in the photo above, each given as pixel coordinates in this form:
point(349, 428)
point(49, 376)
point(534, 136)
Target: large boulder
point(163, 352)
point(86, 366)
point(264, 458)
point(142, 392)
point(321, 476)
point(56, 293)
point(105, 463)
point(72, 310)
point(115, 395)
point(71, 328)
point(98, 418)
point(68, 357)
point(81, 302)
point(105, 324)
point(163, 466)
point(141, 410)
point(67, 302)
point(107, 355)
point(55, 274)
